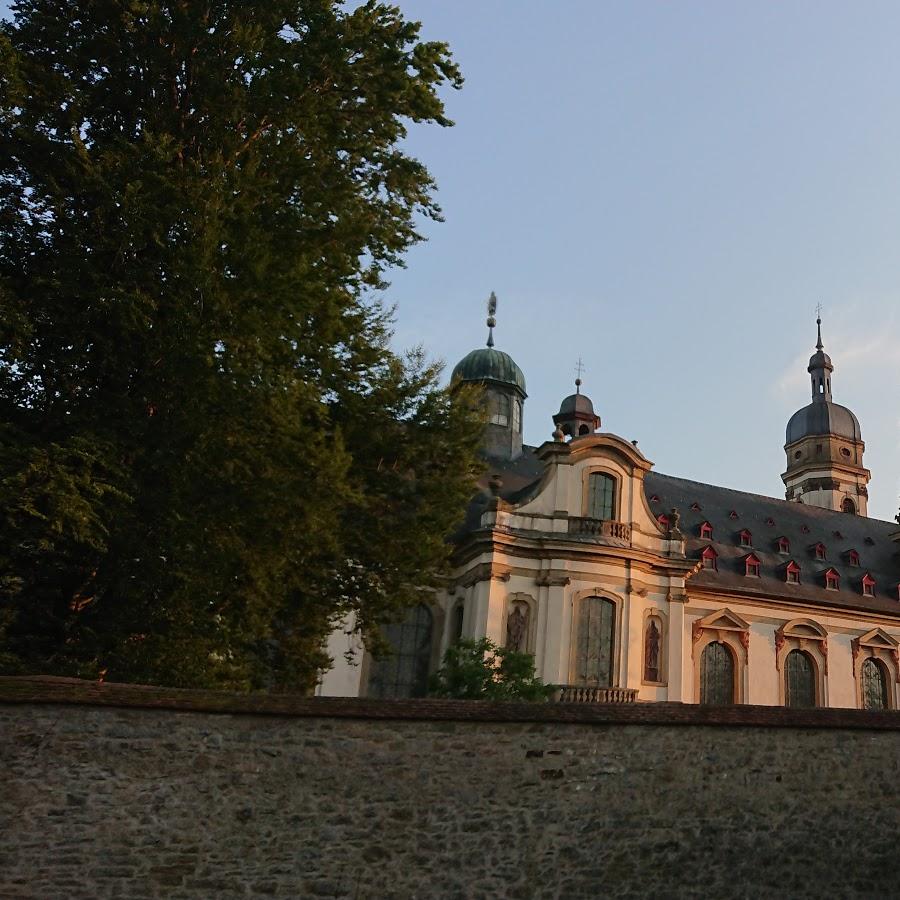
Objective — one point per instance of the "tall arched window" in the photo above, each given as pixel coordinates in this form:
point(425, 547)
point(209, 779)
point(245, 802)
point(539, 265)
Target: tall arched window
point(848, 506)
point(601, 496)
point(405, 672)
point(595, 642)
point(874, 684)
point(517, 416)
point(716, 675)
point(799, 680)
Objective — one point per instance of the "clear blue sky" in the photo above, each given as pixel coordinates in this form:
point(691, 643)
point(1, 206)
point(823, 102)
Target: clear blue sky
point(667, 190)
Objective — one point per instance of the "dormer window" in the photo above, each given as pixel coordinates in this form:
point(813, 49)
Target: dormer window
point(706, 532)
point(770, 521)
point(868, 585)
point(792, 573)
point(663, 520)
point(751, 563)
point(784, 545)
point(805, 529)
point(838, 535)
point(853, 558)
point(870, 542)
point(746, 538)
point(832, 580)
point(819, 551)
point(710, 558)
point(695, 507)
point(732, 515)
point(654, 498)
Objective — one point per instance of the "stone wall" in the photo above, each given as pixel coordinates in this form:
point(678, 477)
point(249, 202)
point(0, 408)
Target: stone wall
point(116, 791)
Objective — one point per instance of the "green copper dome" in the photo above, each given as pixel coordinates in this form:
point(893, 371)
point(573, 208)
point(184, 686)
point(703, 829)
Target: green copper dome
point(488, 364)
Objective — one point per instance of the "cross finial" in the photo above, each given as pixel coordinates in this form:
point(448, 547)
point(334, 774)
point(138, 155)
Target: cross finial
point(491, 319)
point(579, 371)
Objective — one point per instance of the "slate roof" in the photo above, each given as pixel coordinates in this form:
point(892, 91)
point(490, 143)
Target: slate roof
point(804, 526)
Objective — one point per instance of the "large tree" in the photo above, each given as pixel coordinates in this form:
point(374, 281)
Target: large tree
point(209, 453)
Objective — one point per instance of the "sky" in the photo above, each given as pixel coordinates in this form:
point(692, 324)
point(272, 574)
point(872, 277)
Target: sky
point(667, 191)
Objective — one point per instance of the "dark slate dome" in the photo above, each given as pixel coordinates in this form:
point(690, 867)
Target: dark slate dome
point(576, 403)
point(823, 417)
point(488, 364)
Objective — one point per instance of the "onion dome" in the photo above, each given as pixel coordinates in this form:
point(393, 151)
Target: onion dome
point(822, 416)
point(487, 364)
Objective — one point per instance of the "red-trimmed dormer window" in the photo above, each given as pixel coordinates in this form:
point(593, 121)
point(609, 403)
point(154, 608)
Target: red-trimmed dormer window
point(784, 545)
point(696, 507)
point(751, 562)
point(732, 515)
point(709, 558)
point(663, 520)
point(746, 538)
point(819, 550)
point(832, 580)
point(853, 557)
point(706, 532)
point(868, 585)
point(792, 573)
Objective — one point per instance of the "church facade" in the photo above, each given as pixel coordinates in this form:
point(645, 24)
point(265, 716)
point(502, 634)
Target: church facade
point(628, 585)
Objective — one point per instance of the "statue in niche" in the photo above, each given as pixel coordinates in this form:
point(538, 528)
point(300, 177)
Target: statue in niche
point(517, 627)
point(651, 652)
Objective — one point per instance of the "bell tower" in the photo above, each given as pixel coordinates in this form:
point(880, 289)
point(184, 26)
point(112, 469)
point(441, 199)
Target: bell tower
point(824, 446)
point(504, 394)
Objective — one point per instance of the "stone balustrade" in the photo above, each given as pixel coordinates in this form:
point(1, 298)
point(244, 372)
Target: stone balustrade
point(570, 693)
point(602, 528)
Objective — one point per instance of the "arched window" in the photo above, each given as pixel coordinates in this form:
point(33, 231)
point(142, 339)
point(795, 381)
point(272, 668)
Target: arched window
point(717, 675)
point(459, 613)
point(405, 672)
point(848, 506)
point(499, 409)
point(517, 416)
point(799, 680)
point(874, 684)
point(601, 496)
point(595, 642)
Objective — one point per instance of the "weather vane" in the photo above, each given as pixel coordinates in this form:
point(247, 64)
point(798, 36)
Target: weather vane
point(491, 319)
point(579, 371)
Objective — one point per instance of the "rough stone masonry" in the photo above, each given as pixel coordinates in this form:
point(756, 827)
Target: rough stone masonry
point(118, 791)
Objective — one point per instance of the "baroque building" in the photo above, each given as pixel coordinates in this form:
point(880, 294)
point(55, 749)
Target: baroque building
point(630, 585)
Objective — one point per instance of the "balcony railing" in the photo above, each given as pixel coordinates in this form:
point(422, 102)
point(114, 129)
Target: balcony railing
point(569, 693)
point(602, 528)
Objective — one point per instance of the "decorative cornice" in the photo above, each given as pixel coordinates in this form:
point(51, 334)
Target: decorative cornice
point(484, 572)
point(552, 579)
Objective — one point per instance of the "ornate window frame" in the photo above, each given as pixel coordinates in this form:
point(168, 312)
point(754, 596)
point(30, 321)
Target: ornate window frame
point(810, 637)
point(531, 633)
point(879, 645)
point(651, 612)
point(586, 473)
point(731, 630)
point(618, 633)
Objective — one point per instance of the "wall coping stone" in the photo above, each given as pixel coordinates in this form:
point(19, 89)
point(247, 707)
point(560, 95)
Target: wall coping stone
point(40, 689)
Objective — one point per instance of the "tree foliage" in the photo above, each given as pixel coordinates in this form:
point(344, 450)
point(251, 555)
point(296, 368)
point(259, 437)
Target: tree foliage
point(209, 453)
point(480, 670)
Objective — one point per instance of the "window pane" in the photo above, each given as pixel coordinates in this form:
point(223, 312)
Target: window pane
point(716, 675)
point(875, 694)
point(800, 680)
point(601, 496)
point(405, 672)
point(595, 643)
